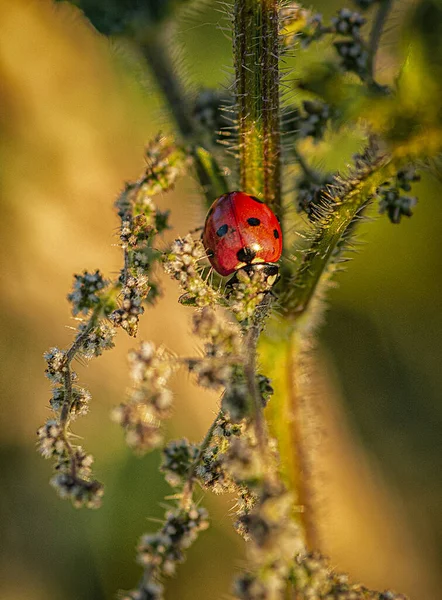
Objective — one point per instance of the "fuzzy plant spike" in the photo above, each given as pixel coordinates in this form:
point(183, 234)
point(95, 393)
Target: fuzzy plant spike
point(253, 311)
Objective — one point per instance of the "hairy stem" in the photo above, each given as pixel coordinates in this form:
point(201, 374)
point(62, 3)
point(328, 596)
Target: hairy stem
point(155, 48)
point(343, 204)
point(279, 357)
point(297, 432)
point(256, 56)
point(250, 371)
point(70, 355)
point(188, 488)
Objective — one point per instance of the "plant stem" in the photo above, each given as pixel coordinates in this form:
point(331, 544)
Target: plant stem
point(251, 342)
point(376, 33)
point(155, 45)
point(256, 57)
point(303, 476)
point(70, 355)
point(280, 359)
point(190, 481)
point(154, 48)
point(343, 205)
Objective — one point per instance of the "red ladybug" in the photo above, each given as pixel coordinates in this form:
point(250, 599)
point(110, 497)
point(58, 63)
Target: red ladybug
point(242, 232)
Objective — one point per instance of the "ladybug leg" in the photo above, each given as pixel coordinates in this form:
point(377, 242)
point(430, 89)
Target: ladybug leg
point(197, 229)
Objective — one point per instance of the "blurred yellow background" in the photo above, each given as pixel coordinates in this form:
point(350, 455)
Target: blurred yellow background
point(76, 111)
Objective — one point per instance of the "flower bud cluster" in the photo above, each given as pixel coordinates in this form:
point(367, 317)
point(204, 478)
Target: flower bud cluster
point(96, 340)
point(141, 221)
point(352, 50)
point(56, 365)
point(354, 56)
point(161, 552)
point(84, 296)
point(391, 200)
point(248, 292)
point(348, 22)
point(73, 466)
point(51, 441)
point(222, 349)
point(165, 162)
point(314, 121)
point(135, 290)
point(149, 590)
point(224, 338)
point(236, 402)
point(211, 471)
point(150, 400)
point(274, 539)
point(73, 479)
point(81, 492)
point(310, 194)
point(181, 263)
point(313, 577)
point(79, 401)
point(178, 458)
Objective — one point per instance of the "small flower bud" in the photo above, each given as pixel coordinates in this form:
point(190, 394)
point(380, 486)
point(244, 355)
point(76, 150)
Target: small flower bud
point(178, 456)
point(84, 296)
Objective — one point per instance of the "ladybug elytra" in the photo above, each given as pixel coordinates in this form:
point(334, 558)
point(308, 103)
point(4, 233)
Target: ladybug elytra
point(241, 232)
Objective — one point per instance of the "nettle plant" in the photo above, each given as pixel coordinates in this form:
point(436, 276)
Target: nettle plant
point(258, 327)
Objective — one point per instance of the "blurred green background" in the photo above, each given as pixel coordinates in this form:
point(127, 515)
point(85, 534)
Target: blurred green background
point(75, 113)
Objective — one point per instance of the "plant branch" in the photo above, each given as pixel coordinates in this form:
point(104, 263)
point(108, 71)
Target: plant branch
point(256, 56)
point(155, 48)
point(376, 33)
point(302, 475)
point(250, 371)
point(70, 355)
point(186, 497)
point(342, 205)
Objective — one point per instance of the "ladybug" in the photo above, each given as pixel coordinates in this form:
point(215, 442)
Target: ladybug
point(241, 232)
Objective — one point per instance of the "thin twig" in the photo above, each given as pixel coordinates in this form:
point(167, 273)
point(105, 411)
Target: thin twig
point(376, 33)
point(155, 48)
point(190, 481)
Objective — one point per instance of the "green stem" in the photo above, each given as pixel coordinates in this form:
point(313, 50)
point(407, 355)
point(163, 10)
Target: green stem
point(279, 357)
point(302, 475)
point(343, 205)
point(256, 57)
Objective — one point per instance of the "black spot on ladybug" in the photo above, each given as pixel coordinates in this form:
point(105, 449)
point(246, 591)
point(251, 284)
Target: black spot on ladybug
point(253, 222)
point(210, 253)
point(222, 230)
point(275, 234)
point(246, 254)
point(256, 199)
